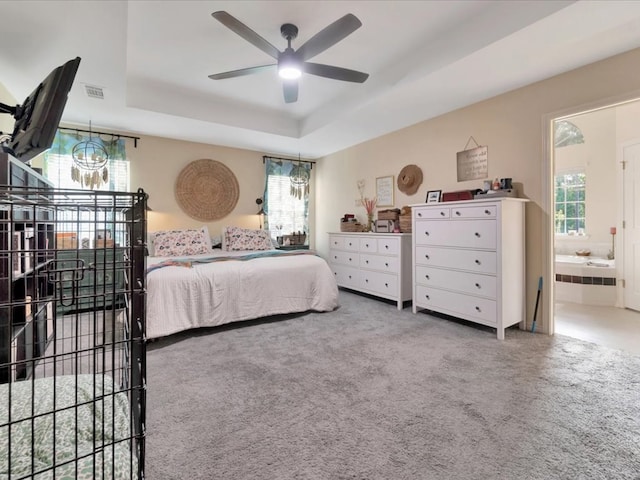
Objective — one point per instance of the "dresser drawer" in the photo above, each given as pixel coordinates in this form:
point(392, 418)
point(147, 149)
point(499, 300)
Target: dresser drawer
point(369, 245)
point(472, 261)
point(344, 258)
point(382, 283)
point(343, 243)
point(479, 211)
point(481, 310)
point(380, 262)
point(346, 276)
point(389, 246)
point(464, 233)
point(434, 212)
point(473, 283)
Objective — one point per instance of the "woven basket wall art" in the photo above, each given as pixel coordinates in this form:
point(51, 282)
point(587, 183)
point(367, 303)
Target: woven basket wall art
point(207, 190)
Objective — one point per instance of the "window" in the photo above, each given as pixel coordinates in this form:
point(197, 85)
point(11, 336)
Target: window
point(566, 133)
point(570, 202)
point(58, 164)
point(286, 205)
point(60, 168)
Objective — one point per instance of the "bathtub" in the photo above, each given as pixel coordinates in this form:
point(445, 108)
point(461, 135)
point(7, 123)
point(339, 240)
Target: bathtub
point(585, 280)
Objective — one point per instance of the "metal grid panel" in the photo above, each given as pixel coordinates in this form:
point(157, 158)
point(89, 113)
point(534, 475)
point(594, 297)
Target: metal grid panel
point(72, 323)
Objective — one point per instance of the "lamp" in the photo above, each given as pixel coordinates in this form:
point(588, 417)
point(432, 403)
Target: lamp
point(612, 253)
point(261, 211)
point(288, 66)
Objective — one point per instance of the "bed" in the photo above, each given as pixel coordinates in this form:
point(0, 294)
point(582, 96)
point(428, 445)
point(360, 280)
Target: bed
point(93, 429)
point(185, 292)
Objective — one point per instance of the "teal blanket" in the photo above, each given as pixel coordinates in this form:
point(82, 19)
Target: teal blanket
point(190, 261)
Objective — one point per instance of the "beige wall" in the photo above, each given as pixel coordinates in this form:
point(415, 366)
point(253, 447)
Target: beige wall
point(512, 127)
point(157, 162)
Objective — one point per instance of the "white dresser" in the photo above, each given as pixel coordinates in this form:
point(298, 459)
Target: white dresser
point(374, 263)
point(469, 260)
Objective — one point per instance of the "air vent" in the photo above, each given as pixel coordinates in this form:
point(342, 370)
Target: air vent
point(94, 92)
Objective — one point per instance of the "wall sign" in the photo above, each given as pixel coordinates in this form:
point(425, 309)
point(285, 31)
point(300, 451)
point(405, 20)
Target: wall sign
point(473, 163)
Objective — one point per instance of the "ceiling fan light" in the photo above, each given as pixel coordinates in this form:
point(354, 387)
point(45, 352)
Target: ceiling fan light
point(289, 72)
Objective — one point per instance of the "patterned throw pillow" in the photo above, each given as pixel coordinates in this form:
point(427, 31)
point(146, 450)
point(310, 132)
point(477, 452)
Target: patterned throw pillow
point(246, 239)
point(177, 243)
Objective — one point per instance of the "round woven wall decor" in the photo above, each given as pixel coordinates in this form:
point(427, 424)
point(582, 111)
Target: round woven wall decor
point(207, 190)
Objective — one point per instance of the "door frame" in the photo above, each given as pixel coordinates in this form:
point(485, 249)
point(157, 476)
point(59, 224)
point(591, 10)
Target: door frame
point(548, 170)
point(619, 240)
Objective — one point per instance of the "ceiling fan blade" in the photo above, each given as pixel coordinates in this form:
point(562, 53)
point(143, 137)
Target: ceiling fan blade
point(290, 89)
point(245, 32)
point(329, 36)
point(240, 73)
point(336, 73)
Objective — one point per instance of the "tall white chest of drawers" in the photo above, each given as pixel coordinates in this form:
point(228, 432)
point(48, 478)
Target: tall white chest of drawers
point(375, 263)
point(469, 260)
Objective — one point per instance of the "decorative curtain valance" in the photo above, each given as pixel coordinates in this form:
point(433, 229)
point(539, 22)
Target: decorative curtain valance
point(64, 142)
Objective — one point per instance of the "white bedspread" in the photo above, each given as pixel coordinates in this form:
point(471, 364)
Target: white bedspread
point(209, 294)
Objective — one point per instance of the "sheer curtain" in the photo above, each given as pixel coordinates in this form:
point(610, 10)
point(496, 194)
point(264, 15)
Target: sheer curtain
point(286, 210)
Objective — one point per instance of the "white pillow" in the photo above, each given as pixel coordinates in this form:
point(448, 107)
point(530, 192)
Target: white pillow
point(177, 243)
point(236, 238)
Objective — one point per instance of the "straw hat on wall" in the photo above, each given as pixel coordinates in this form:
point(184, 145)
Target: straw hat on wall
point(409, 179)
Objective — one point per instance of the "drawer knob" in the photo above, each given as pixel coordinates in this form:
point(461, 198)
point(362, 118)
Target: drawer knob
point(477, 262)
point(426, 233)
point(477, 285)
point(419, 214)
point(427, 257)
point(427, 277)
point(350, 259)
point(457, 213)
point(335, 257)
point(386, 264)
point(478, 309)
point(487, 212)
point(427, 297)
point(386, 284)
point(367, 262)
point(387, 247)
point(366, 280)
point(349, 276)
point(477, 234)
point(442, 213)
point(367, 245)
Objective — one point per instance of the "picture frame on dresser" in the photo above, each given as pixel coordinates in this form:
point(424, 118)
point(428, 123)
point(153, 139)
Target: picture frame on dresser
point(433, 196)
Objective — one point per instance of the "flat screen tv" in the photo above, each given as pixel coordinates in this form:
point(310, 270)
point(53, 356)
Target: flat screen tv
point(38, 117)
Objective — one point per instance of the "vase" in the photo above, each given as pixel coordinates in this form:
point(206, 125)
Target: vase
point(369, 222)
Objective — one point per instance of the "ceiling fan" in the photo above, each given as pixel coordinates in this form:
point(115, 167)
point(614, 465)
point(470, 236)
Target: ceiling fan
point(292, 63)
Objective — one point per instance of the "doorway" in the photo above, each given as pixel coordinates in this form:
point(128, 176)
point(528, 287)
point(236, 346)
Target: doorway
point(596, 291)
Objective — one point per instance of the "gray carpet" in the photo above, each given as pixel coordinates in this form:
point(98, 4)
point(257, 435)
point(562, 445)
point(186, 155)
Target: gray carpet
point(368, 392)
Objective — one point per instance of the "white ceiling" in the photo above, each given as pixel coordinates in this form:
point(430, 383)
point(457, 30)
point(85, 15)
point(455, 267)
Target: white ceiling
point(425, 58)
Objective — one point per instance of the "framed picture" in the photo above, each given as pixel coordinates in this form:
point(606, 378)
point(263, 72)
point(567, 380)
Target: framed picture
point(384, 191)
point(433, 196)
